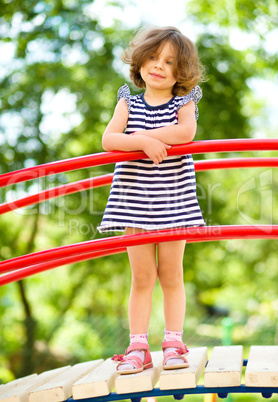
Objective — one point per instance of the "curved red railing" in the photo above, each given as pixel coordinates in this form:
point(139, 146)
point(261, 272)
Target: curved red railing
point(55, 192)
point(87, 184)
point(45, 266)
point(27, 265)
point(52, 258)
point(103, 158)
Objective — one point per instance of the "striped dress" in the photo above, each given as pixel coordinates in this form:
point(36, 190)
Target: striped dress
point(149, 196)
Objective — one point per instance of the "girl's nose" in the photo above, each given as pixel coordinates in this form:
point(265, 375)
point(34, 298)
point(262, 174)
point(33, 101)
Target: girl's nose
point(159, 64)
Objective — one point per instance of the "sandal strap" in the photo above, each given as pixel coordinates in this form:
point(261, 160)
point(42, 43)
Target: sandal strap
point(138, 346)
point(173, 355)
point(181, 348)
point(134, 360)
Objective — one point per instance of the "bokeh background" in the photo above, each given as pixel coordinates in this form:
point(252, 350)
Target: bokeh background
point(60, 70)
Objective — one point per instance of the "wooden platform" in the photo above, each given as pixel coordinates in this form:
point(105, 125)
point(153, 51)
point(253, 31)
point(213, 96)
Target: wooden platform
point(98, 380)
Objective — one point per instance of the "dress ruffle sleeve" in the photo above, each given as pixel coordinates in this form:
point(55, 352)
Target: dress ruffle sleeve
point(195, 94)
point(124, 92)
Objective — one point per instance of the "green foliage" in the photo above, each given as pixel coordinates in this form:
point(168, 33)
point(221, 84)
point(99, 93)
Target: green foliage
point(225, 89)
point(243, 14)
point(58, 92)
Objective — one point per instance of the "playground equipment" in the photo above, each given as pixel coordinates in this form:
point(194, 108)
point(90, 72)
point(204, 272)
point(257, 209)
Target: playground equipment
point(95, 381)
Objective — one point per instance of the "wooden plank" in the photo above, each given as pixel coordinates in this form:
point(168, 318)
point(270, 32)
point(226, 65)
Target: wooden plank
point(187, 377)
point(98, 382)
point(262, 367)
point(224, 368)
point(20, 392)
point(144, 381)
point(12, 384)
point(59, 388)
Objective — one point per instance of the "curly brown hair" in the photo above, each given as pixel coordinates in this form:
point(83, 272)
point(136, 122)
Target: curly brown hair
point(188, 70)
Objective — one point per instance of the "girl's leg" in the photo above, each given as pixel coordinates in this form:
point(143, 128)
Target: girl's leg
point(144, 275)
point(170, 273)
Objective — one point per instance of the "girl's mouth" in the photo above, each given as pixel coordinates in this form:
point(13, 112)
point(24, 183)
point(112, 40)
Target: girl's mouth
point(156, 76)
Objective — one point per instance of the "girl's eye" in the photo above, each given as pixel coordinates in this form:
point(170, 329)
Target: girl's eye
point(152, 57)
point(169, 62)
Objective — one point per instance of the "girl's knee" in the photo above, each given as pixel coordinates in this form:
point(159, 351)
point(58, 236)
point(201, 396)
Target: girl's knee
point(170, 278)
point(143, 280)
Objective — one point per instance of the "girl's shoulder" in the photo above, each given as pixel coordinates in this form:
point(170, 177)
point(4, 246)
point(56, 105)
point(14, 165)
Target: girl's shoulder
point(124, 92)
point(195, 94)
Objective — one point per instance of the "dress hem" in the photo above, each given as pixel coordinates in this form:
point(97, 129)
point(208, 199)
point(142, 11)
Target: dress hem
point(106, 229)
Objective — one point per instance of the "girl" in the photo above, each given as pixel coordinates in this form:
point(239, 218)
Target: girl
point(158, 192)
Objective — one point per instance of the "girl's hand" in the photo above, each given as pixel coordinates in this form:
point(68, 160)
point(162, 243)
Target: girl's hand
point(155, 149)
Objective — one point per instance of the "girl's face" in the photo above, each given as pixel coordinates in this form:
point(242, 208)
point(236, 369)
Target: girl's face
point(158, 71)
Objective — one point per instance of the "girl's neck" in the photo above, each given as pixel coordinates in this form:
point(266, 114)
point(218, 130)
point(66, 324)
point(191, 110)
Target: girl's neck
point(157, 97)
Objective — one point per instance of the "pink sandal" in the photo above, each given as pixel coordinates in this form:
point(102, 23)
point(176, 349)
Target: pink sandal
point(134, 360)
point(180, 353)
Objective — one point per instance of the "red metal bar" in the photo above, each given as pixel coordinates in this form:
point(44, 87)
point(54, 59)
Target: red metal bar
point(234, 163)
point(87, 184)
point(34, 269)
point(193, 234)
point(103, 158)
point(55, 192)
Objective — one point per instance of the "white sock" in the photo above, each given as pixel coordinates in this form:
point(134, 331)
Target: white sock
point(142, 338)
point(172, 336)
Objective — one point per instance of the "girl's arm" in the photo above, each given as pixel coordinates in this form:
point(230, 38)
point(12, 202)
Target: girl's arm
point(115, 140)
point(180, 133)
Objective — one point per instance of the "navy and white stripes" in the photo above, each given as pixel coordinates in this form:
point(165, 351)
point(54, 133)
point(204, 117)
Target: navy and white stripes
point(149, 196)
